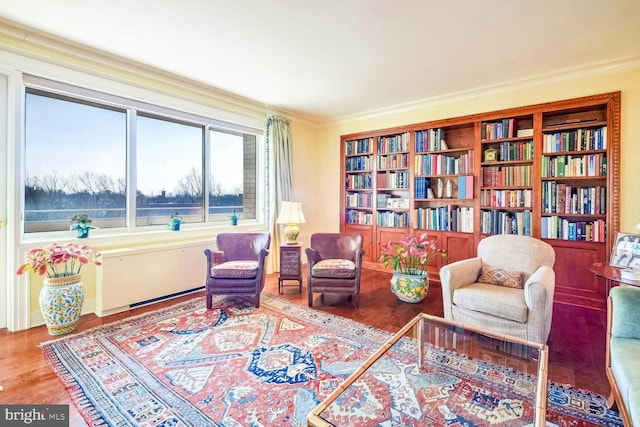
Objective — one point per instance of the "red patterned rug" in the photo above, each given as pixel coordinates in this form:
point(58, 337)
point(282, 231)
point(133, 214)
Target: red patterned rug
point(236, 365)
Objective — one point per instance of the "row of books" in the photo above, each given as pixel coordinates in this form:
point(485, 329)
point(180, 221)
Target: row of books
point(554, 227)
point(567, 199)
point(506, 176)
point(358, 163)
point(359, 217)
point(505, 128)
point(506, 198)
point(441, 164)
point(392, 219)
point(358, 146)
point(392, 161)
point(359, 200)
point(499, 222)
point(393, 179)
point(393, 144)
point(508, 151)
point(360, 181)
point(445, 218)
point(430, 140)
point(576, 140)
point(572, 166)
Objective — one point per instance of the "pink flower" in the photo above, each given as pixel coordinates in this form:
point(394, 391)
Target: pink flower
point(410, 255)
point(58, 260)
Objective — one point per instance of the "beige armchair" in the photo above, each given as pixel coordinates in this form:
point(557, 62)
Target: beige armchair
point(476, 291)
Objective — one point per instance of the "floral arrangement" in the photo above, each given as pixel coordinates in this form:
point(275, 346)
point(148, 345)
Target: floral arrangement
point(409, 256)
point(58, 260)
point(81, 221)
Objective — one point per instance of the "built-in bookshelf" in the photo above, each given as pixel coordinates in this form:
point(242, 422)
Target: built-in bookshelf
point(444, 179)
point(358, 169)
point(506, 179)
point(550, 171)
point(574, 175)
point(393, 180)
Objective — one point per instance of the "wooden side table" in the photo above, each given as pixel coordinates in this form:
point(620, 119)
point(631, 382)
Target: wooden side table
point(611, 275)
point(290, 265)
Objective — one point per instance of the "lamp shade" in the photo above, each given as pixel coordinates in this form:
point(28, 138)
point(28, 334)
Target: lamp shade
point(291, 213)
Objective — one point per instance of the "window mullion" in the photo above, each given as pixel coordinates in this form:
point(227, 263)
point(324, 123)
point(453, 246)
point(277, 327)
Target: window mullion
point(132, 120)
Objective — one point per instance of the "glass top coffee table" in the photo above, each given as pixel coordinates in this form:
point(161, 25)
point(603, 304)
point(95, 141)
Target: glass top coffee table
point(437, 372)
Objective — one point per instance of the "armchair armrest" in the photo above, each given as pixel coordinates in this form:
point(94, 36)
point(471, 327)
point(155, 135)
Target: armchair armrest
point(625, 316)
point(312, 256)
point(214, 257)
point(457, 275)
point(544, 276)
point(538, 296)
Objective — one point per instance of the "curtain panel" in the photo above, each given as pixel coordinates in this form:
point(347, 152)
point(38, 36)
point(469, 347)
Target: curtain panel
point(279, 149)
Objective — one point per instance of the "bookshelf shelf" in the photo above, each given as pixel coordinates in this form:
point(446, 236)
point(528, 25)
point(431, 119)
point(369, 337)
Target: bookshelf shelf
point(550, 171)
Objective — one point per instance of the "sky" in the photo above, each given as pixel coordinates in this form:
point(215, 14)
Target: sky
point(68, 138)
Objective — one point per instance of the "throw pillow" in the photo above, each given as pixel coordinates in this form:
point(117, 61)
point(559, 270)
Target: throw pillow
point(500, 277)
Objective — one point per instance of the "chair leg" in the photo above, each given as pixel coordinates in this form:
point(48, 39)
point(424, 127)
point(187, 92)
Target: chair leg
point(209, 301)
point(310, 297)
point(257, 301)
point(356, 301)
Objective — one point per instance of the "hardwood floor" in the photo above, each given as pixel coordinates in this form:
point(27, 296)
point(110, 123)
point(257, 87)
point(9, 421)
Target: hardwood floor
point(576, 343)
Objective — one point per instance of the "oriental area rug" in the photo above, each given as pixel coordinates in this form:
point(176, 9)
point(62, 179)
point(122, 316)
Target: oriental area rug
point(235, 365)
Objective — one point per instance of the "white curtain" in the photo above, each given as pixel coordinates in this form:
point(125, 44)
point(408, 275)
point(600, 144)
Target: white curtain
point(278, 142)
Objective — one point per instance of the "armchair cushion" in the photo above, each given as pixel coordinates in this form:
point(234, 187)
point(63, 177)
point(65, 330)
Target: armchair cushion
point(334, 268)
point(235, 270)
point(501, 277)
point(498, 301)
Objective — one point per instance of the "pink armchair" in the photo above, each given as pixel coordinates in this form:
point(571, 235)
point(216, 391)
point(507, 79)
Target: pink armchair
point(237, 267)
point(334, 262)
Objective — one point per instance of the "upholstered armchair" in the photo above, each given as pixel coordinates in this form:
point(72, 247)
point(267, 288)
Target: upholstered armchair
point(237, 265)
point(623, 352)
point(334, 262)
point(508, 288)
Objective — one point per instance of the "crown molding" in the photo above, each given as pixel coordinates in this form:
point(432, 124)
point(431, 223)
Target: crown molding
point(565, 74)
point(38, 45)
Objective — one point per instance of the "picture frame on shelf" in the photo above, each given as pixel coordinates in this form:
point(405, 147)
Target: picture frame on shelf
point(626, 251)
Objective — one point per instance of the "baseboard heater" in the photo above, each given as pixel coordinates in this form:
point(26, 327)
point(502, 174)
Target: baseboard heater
point(131, 277)
point(162, 298)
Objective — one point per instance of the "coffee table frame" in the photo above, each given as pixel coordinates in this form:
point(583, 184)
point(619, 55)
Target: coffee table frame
point(315, 420)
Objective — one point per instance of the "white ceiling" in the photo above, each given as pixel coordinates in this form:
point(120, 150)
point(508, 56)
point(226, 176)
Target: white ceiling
point(327, 59)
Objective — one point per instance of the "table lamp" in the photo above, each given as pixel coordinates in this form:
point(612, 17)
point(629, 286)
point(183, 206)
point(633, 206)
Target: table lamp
point(291, 215)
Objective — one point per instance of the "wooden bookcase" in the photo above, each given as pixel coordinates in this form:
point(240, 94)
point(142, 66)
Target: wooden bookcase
point(550, 171)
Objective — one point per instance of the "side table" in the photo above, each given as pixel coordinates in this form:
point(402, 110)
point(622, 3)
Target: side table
point(611, 275)
point(290, 265)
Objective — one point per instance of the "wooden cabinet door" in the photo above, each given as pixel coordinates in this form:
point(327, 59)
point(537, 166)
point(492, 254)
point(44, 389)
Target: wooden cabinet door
point(575, 284)
point(385, 235)
point(367, 240)
point(457, 246)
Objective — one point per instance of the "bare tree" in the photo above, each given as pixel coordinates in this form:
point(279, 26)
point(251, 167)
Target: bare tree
point(191, 184)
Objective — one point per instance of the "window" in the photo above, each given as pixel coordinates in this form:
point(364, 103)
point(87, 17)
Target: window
point(76, 161)
point(232, 176)
point(169, 171)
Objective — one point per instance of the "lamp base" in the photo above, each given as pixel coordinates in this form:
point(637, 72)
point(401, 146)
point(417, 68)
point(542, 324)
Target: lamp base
point(291, 232)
